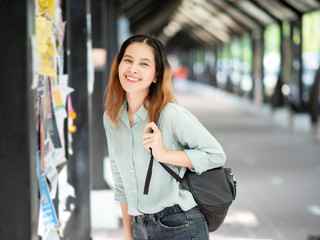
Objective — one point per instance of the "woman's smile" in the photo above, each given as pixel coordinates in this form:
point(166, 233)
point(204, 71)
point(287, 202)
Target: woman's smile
point(132, 79)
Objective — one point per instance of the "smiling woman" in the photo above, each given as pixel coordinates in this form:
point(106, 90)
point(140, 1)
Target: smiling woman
point(158, 94)
point(141, 118)
point(137, 71)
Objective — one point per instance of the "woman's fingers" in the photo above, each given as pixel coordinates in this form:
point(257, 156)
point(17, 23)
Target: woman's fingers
point(152, 127)
point(146, 136)
point(152, 139)
point(147, 140)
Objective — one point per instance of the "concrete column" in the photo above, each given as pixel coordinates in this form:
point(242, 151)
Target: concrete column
point(79, 165)
point(257, 68)
point(99, 30)
point(18, 145)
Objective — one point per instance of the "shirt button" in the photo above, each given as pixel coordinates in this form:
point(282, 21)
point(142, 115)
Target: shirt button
point(131, 170)
point(130, 149)
point(134, 191)
point(136, 118)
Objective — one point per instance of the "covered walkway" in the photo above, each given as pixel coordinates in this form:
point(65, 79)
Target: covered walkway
point(263, 56)
point(277, 169)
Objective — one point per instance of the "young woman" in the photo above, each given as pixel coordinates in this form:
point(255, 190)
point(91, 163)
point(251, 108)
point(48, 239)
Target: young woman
point(141, 114)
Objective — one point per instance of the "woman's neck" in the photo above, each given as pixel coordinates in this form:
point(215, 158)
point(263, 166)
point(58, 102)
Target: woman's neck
point(134, 103)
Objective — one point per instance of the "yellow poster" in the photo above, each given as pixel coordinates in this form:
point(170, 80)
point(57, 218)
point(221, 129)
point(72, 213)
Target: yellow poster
point(45, 46)
point(46, 6)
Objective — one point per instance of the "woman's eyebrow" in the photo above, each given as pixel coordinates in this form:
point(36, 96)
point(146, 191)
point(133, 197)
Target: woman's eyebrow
point(141, 59)
point(145, 59)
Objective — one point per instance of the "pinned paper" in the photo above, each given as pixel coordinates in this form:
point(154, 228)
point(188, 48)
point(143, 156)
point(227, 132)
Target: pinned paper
point(52, 173)
point(71, 112)
point(66, 193)
point(57, 99)
point(47, 214)
point(43, 27)
point(36, 63)
point(45, 46)
point(46, 6)
point(51, 119)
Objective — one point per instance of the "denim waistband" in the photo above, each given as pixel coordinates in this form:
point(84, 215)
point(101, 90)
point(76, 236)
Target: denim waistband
point(168, 210)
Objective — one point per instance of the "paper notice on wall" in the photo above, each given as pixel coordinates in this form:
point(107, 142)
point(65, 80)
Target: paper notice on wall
point(47, 213)
point(59, 94)
point(66, 197)
point(45, 46)
point(52, 173)
point(52, 127)
point(65, 91)
point(46, 6)
point(63, 80)
point(53, 131)
point(60, 114)
point(49, 216)
point(51, 235)
point(35, 63)
point(58, 102)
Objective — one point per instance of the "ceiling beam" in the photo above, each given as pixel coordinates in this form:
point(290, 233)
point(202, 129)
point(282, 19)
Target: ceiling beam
point(266, 10)
point(229, 25)
point(149, 24)
point(239, 5)
point(238, 15)
point(190, 19)
point(292, 8)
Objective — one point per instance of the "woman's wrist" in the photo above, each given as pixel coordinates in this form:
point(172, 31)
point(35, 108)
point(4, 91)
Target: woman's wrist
point(178, 158)
point(163, 156)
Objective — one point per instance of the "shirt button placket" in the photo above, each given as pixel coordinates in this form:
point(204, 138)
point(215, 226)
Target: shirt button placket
point(132, 171)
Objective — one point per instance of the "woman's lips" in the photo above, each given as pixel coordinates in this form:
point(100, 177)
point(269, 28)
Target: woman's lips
point(133, 79)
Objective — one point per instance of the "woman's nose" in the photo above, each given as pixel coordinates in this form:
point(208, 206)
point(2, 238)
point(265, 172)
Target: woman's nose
point(133, 68)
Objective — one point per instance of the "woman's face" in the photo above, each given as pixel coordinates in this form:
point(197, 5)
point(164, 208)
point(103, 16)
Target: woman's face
point(137, 69)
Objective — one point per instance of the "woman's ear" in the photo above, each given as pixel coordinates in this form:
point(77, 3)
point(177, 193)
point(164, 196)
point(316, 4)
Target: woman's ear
point(155, 78)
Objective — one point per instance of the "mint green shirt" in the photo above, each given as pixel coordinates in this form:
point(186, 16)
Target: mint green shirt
point(129, 159)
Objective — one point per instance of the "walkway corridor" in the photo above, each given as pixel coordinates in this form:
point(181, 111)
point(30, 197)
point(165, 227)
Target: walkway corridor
point(278, 170)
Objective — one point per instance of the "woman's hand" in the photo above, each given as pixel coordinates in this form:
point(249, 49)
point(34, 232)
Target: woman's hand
point(153, 140)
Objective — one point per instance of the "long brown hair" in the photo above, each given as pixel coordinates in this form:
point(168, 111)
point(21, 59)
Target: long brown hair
point(160, 93)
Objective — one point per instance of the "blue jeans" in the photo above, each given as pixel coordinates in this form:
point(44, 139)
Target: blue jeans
point(172, 223)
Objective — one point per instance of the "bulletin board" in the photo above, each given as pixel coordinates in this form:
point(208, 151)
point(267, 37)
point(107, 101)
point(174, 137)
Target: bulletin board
point(54, 111)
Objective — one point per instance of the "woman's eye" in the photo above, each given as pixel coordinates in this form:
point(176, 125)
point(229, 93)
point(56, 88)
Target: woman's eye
point(144, 64)
point(127, 60)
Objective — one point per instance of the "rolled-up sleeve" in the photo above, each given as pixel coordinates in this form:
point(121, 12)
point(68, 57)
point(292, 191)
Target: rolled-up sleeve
point(203, 150)
point(120, 195)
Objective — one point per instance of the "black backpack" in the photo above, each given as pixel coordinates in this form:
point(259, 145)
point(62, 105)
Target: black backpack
point(213, 191)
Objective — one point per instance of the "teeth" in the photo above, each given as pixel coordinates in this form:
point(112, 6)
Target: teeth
point(133, 79)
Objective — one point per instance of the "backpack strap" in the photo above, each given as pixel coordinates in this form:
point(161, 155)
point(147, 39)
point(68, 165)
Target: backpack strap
point(148, 177)
point(149, 174)
point(171, 172)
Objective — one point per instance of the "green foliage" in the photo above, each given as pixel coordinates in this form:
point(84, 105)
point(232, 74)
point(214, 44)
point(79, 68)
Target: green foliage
point(311, 32)
point(272, 38)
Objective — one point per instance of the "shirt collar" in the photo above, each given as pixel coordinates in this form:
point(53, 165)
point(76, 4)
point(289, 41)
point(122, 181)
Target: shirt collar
point(142, 113)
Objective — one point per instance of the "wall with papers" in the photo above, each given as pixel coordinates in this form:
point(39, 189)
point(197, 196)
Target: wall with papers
point(55, 114)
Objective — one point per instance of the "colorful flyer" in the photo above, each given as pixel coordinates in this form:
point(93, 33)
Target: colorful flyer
point(49, 215)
